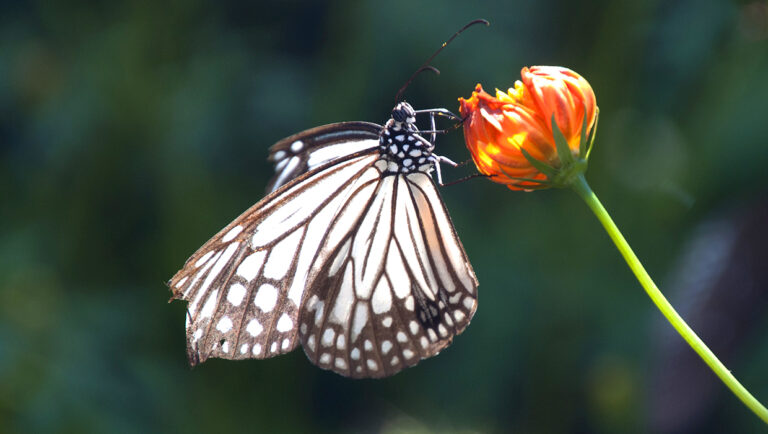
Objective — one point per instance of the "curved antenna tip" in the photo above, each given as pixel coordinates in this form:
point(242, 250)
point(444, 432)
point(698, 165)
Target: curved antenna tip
point(478, 21)
point(426, 64)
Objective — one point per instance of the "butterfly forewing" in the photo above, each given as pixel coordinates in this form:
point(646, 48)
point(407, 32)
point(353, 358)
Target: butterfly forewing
point(245, 286)
point(313, 148)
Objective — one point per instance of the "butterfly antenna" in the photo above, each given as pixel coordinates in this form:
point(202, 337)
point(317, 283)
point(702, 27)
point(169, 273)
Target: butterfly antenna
point(427, 66)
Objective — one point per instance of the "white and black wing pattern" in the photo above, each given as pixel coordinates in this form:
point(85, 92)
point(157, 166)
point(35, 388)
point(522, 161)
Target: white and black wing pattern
point(353, 255)
point(315, 147)
point(246, 285)
point(397, 287)
point(371, 278)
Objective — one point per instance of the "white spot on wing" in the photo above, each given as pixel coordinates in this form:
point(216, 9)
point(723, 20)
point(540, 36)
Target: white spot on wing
point(254, 327)
point(284, 324)
point(328, 336)
point(469, 302)
point(454, 299)
point(409, 303)
point(432, 335)
point(297, 146)
point(266, 297)
point(236, 294)
point(414, 326)
point(386, 346)
point(448, 319)
point(224, 325)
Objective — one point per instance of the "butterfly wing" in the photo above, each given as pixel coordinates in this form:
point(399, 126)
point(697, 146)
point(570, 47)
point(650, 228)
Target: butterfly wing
point(246, 285)
point(364, 269)
point(313, 148)
point(397, 286)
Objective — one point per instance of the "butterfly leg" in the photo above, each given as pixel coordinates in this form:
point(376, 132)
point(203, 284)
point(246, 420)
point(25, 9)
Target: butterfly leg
point(433, 134)
point(441, 112)
point(437, 159)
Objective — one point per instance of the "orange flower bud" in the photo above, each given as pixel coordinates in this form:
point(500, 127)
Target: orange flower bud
point(511, 137)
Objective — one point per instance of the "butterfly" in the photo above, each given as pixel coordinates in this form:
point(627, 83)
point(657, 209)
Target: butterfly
point(352, 254)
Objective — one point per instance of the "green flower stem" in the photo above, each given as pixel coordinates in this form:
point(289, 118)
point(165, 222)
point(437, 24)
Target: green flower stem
point(579, 184)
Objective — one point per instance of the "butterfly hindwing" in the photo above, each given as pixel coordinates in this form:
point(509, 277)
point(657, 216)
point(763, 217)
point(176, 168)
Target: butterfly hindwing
point(397, 288)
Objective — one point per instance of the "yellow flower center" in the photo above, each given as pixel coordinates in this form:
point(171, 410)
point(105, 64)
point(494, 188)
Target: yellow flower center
point(513, 95)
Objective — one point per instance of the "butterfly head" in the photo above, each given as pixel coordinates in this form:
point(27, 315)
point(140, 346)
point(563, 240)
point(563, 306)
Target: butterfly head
point(403, 113)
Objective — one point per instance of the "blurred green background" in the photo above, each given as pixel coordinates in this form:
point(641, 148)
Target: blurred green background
point(131, 131)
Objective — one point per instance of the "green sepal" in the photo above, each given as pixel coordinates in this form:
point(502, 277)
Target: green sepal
point(539, 165)
point(592, 133)
point(583, 139)
point(563, 150)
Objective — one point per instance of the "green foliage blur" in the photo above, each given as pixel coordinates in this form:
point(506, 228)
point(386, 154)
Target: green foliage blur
point(130, 132)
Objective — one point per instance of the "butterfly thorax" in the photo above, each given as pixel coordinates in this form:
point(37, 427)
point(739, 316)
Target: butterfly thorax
point(401, 147)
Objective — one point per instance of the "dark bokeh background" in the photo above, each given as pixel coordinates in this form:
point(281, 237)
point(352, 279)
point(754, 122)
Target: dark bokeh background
point(132, 131)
